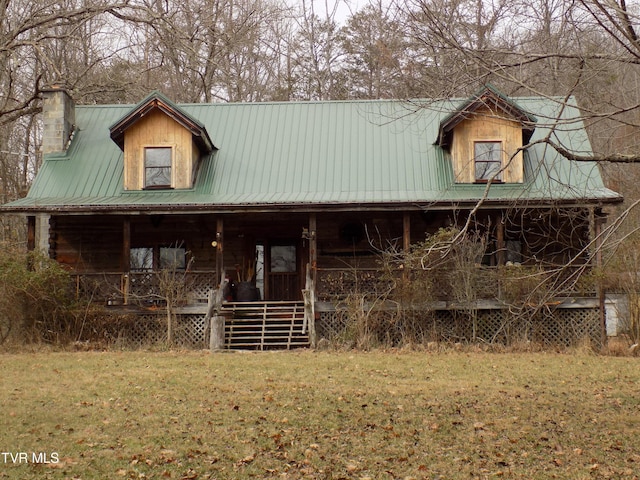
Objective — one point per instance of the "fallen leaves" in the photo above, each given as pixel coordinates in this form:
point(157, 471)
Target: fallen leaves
point(246, 460)
point(313, 415)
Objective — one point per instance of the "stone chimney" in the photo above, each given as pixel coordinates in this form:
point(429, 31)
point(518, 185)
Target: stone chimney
point(59, 118)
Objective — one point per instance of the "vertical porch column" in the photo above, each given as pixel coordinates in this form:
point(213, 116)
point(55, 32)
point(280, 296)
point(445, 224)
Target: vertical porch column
point(596, 221)
point(214, 320)
point(31, 233)
point(501, 245)
point(126, 244)
point(219, 244)
point(313, 246)
point(406, 238)
point(406, 231)
point(310, 297)
point(126, 258)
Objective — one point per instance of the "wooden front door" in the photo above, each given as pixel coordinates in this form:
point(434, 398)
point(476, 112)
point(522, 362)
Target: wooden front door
point(282, 264)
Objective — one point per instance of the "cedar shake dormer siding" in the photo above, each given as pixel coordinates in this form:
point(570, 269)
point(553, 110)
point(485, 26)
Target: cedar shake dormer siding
point(157, 129)
point(487, 126)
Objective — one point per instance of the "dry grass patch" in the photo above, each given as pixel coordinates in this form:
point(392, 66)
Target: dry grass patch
point(189, 415)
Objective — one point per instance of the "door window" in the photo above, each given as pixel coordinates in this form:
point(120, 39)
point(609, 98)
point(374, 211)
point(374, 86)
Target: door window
point(283, 258)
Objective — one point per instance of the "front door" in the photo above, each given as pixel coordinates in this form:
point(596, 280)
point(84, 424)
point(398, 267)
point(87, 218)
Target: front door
point(282, 280)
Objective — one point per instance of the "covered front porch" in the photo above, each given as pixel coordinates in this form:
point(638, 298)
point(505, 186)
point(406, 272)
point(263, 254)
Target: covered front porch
point(138, 264)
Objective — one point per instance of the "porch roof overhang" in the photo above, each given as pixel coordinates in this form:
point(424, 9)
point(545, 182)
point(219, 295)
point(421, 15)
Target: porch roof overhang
point(99, 207)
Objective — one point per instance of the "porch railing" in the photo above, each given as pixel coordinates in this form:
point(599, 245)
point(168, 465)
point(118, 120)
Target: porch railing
point(141, 288)
point(501, 283)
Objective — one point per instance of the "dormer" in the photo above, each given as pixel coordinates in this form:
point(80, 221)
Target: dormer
point(162, 144)
point(485, 136)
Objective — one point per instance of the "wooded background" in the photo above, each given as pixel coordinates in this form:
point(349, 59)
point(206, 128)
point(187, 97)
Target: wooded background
point(109, 51)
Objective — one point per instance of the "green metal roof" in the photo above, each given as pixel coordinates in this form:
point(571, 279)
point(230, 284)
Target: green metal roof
point(312, 154)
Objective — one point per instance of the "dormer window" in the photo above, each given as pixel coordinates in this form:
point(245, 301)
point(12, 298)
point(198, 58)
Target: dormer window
point(157, 167)
point(488, 161)
point(484, 137)
point(163, 145)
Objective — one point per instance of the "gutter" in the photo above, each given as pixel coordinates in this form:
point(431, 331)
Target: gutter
point(89, 209)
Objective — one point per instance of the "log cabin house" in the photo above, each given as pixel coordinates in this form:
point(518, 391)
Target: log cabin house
point(297, 199)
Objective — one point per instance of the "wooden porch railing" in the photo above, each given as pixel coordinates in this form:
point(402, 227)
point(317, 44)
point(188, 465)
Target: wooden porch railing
point(503, 283)
point(140, 288)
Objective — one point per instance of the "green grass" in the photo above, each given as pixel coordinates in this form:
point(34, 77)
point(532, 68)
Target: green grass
point(380, 415)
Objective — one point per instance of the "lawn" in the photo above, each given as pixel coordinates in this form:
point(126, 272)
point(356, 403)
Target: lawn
point(317, 415)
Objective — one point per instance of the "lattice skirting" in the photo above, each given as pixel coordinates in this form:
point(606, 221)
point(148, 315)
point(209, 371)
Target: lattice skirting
point(549, 327)
point(189, 331)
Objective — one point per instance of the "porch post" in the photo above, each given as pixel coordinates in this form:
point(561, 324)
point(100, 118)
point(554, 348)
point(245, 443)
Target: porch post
point(313, 247)
point(406, 239)
point(214, 320)
point(310, 296)
point(126, 258)
point(216, 341)
point(406, 231)
point(126, 244)
point(219, 245)
point(501, 246)
point(597, 240)
point(31, 233)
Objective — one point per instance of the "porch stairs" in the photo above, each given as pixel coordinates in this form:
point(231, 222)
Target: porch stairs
point(264, 325)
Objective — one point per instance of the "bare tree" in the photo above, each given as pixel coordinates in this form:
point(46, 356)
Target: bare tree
point(456, 39)
point(549, 48)
point(374, 44)
point(317, 53)
point(41, 42)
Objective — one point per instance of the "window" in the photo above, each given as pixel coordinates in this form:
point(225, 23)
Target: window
point(488, 161)
point(141, 259)
point(172, 258)
point(514, 251)
point(283, 258)
point(157, 167)
point(163, 258)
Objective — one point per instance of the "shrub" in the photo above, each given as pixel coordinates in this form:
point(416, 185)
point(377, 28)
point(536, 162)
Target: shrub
point(36, 302)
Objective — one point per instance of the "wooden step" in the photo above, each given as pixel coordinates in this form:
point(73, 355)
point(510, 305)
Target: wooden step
point(264, 325)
